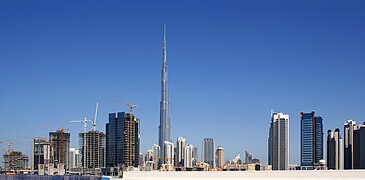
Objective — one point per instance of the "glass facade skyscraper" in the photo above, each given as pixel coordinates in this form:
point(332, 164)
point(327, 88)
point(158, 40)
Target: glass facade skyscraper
point(118, 140)
point(208, 152)
point(311, 149)
point(279, 141)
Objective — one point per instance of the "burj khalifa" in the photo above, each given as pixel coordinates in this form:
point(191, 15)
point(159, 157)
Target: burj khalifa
point(164, 127)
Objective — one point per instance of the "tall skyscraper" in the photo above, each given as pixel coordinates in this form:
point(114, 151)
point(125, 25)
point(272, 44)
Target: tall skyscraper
point(60, 146)
point(334, 150)
point(349, 128)
point(208, 152)
point(311, 149)
point(40, 152)
point(119, 139)
point(195, 155)
point(279, 144)
point(219, 154)
point(180, 145)
point(188, 156)
point(164, 128)
point(169, 155)
point(92, 151)
point(156, 156)
point(359, 147)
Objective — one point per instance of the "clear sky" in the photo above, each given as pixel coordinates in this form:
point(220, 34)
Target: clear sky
point(230, 63)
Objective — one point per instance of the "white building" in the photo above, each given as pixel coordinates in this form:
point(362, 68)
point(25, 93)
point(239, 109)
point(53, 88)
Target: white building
point(180, 145)
point(188, 156)
point(334, 150)
point(156, 150)
point(169, 155)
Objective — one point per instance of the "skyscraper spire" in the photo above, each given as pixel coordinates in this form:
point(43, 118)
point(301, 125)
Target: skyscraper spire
point(164, 128)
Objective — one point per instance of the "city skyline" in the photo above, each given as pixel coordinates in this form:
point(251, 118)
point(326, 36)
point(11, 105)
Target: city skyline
point(55, 68)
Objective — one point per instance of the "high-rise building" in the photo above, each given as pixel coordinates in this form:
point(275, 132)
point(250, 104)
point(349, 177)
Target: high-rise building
point(349, 128)
point(219, 154)
point(359, 147)
point(208, 152)
point(269, 146)
point(60, 146)
point(93, 148)
point(311, 149)
point(72, 161)
point(188, 156)
point(248, 158)
point(164, 127)
point(122, 140)
point(156, 156)
point(334, 150)
point(180, 145)
point(169, 155)
point(40, 152)
point(195, 155)
point(279, 144)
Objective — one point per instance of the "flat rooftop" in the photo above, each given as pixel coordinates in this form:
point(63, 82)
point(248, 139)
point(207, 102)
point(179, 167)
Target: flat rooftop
point(155, 175)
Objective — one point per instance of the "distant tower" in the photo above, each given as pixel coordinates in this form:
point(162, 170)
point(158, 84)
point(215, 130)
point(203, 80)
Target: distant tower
point(279, 145)
point(164, 128)
point(180, 145)
point(311, 149)
point(349, 128)
point(156, 156)
point(219, 154)
point(188, 156)
point(334, 150)
point(195, 155)
point(208, 152)
point(169, 155)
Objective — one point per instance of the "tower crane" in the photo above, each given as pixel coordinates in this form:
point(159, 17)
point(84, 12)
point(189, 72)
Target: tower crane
point(7, 152)
point(130, 128)
point(84, 121)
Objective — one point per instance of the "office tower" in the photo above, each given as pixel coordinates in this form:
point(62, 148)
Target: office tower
point(219, 154)
point(180, 145)
point(279, 144)
point(156, 156)
point(149, 155)
point(334, 150)
point(269, 146)
point(140, 159)
point(311, 149)
point(59, 147)
point(169, 154)
point(40, 152)
point(188, 156)
point(93, 148)
point(208, 152)
point(359, 147)
point(164, 127)
point(15, 160)
point(78, 159)
point(72, 162)
point(122, 142)
point(248, 158)
point(195, 155)
point(349, 128)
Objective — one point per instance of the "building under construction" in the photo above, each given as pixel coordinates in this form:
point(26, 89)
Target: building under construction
point(93, 148)
point(40, 152)
point(59, 147)
point(122, 140)
point(15, 160)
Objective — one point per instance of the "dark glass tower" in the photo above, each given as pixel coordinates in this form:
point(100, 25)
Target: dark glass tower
point(164, 127)
point(118, 140)
point(311, 149)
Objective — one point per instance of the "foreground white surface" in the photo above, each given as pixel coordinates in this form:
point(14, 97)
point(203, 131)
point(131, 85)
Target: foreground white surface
point(351, 174)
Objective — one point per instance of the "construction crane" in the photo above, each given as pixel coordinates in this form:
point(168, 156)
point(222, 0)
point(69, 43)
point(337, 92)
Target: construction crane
point(85, 130)
point(130, 128)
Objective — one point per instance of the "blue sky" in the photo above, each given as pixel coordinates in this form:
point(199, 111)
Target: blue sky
point(230, 63)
